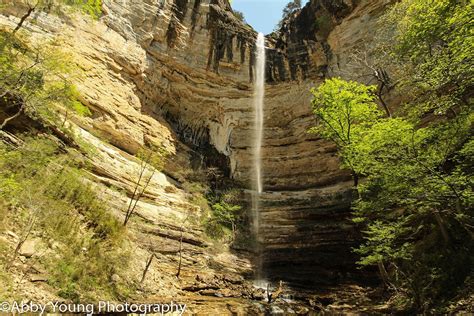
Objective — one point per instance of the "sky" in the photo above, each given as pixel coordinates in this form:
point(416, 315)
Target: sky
point(262, 15)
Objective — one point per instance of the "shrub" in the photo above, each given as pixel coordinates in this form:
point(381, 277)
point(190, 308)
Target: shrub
point(43, 181)
point(224, 217)
point(34, 79)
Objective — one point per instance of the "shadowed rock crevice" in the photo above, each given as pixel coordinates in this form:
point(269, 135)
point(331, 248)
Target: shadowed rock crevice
point(179, 10)
point(226, 34)
point(195, 15)
point(205, 155)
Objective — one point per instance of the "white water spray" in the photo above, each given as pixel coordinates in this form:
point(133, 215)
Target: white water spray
point(259, 93)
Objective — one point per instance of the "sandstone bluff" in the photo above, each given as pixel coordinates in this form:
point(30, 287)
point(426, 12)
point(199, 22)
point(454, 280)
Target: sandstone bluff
point(179, 74)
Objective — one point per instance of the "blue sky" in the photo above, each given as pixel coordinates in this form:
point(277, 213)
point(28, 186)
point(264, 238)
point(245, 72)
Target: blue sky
point(262, 15)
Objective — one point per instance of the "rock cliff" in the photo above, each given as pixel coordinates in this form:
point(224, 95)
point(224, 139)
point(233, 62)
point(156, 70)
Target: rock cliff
point(307, 230)
point(178, 74)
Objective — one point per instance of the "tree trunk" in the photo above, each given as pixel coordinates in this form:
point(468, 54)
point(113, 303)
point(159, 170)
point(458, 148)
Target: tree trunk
point(180, 254)
point(24, 17)
point(355, 177)
point(385, 106)
point(379, 96)
point(148, 264)
point(137, 185)
point(383, 273)
point(141, 193)
point(65, 118)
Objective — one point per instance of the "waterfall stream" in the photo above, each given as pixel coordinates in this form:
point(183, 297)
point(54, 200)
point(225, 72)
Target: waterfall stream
point(258, 103)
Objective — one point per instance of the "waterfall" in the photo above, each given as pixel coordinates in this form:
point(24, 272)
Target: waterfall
point(259, 93)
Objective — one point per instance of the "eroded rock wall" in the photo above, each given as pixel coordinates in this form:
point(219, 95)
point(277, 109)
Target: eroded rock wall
point(306, 226)
point(197, 76)
point(178, 73)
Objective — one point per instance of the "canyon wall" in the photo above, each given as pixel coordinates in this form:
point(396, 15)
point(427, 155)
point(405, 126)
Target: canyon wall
point(178, 74)
point(196, 75)
point(307, 231)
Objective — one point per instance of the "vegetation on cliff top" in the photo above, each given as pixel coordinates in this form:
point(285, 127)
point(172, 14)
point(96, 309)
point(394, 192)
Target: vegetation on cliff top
point(415, 195)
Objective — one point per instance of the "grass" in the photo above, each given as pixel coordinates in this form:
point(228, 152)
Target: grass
point(6, 283)
point(42, 181)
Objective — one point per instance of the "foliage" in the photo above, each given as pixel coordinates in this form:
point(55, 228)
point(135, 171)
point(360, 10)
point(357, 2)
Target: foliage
point(40, 181)
point(416, 193)
point(239, 15)
point(428, 47)
point(92, 8)
point(153, 156)
point(72, 101)
point(220, 212)
point(224, 217)
point(345, 110)
point(415, 201)
point(290, 8)
point(34, 79)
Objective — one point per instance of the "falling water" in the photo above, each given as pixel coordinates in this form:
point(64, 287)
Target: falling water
point(259, 93)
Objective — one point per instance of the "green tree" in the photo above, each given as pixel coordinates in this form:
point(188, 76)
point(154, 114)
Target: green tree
point(151, 161)
point(345, 109)
point(239, 15)
point(427, 46)
point(415, 201)
point(416, 192)
point(416, 197)
point(89, 7)
point(224, 216)
point(34, 79)
point(290, 8)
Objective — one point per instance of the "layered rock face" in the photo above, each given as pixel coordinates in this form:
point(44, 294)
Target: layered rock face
point(178, 73)
point(307, 231)
point(197, 76)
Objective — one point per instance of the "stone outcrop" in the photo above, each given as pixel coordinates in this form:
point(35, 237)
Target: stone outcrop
point(178, 73)
point(307, 231)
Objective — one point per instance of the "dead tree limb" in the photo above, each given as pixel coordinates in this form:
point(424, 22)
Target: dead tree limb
point(31, 9)
point(180, 253)
point(147, 267)
point(14, 116)
point(384, 82)
point(135, 198)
